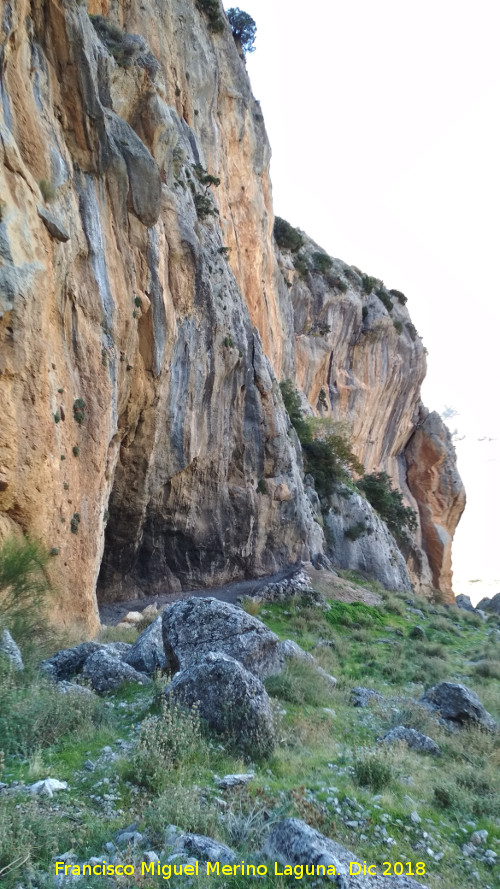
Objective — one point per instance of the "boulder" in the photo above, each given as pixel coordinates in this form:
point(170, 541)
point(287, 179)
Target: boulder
point(490, 605)
point(147, 653)
point(415, 740)
point(464, 602)
point(288, 648)
point(11, 651)
point(193, 627)
point(235, 780)
point(47, 787)
point(68, 662)
point(231, 699)
point(458, 704)
point(204, 848)
point(292, 842)
point(105, 672)
point(364, 697)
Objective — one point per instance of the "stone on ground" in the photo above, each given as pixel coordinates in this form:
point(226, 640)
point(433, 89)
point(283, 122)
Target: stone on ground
point(231, 699)
point(193, 627)
point(458, 704)
point(105, 672)
point(10, 649)
point(204, 848)
point(293, 842)
point(415, 740)
point(147, 653)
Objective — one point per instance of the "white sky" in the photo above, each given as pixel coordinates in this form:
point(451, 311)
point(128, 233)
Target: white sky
point(384, 123)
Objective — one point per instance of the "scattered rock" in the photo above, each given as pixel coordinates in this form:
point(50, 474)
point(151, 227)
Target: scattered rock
point(293, 842)
point(464, 602)
point(479, 837)
point(105, 672)
point(47, 787)
point(204, 848)
point(417, 632)
point(11, 650)
point(415, 740)
point(194, 627)
point(364, 697)
point(231, 699)
point(147, 653)
point(459, 704)
point(235, 780)
point(415, 818)
point(68, 662)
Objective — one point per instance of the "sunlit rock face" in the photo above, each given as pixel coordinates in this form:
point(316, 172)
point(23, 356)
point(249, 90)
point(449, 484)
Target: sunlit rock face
point(143, 436)
point(360, 361)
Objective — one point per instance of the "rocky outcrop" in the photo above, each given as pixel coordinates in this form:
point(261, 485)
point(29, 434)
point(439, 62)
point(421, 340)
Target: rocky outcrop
point(434, 481)
point(139, 359)
point(195, 627)
point(356, 538)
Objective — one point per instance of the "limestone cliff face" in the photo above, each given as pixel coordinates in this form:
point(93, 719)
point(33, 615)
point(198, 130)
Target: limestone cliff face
point(360, 361)
point(136, 395)
point(143, 435)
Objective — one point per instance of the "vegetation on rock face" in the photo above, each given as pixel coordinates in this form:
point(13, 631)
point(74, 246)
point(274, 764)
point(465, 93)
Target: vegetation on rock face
point(325, 445)
point(243, 27)
point(212, 10)
point(287, 237)
point(378, 490)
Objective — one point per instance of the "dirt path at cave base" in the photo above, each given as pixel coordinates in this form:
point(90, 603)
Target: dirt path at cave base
point(111, 613)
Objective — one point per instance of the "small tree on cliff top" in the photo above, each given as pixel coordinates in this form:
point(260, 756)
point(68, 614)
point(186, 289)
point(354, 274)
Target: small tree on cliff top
point(243, 27)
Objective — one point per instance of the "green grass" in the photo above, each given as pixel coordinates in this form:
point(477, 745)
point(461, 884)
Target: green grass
point(170, 776)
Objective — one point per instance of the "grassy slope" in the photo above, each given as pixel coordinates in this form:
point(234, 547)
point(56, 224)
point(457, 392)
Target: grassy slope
point(318, 772)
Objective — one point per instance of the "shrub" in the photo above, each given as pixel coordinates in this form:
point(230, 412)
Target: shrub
point(167, 742)
point(378, 490)
point(337, 283)
point(355, 531)
point(228, 342)
point(301, 265)
point(287, 237)
point(204, 206)
point(262, 486)
point(319, 328)
point(48, 190)
point(24, 588)
point(293, 406)
point(373, 770)
point(398, 325)
point(322, 399)
point(211, 8)
point(385, 299)
point(401, 298)
point(75, 522)
point(76, 450)
point(364, 313)
point(368, 283)
point(321, 262)
point(243, 27)
point(204, 177)
point(79, 410)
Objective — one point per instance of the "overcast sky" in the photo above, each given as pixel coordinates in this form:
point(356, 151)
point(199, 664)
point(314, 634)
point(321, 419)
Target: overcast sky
point(384, 124)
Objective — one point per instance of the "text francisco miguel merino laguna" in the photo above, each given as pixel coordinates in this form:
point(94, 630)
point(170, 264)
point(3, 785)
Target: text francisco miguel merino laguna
point(166, 871)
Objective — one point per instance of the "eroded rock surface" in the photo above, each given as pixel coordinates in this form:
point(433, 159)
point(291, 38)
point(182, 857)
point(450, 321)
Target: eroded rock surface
point(194, 627)
point(232, 701)
point(459, 704)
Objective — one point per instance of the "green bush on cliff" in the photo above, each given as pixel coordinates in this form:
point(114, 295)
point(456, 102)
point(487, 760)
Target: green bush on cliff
point(287, 237)
point(378, 490)
point(211, 8)
point(325, 445)
point(243, 27)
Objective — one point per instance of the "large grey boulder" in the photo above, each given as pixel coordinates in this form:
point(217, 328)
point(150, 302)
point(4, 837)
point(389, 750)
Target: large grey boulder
point(147, 653)
point(464, 602)
point(490, 605)
point(68, 662)
point(458, 704)
point(293, 842)
point(193, 627)
point(204, 848)
point(416, 740)
point(10, 649)
point(231, 699)
point(105, 672)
